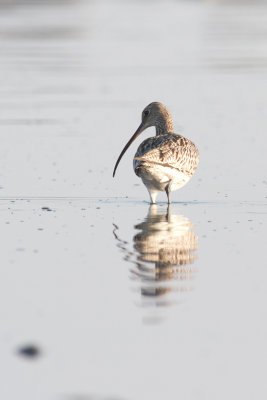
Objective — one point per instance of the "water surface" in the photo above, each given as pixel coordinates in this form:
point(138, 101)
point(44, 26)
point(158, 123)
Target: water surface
point(123, 300)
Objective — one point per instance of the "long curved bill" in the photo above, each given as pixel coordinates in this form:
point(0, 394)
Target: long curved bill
point(135, 135)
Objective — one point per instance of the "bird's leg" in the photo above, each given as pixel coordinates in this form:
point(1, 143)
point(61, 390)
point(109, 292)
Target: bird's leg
point(153, 196)
point(168, 192)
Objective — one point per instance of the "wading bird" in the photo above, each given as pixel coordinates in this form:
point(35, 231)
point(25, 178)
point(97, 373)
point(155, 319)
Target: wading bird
point(164, 162)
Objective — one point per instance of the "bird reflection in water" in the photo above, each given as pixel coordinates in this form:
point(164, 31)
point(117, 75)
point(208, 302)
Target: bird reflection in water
point(165, 247)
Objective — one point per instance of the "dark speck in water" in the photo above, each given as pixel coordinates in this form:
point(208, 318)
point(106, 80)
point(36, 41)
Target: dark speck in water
point(29, 351)
point(46, 209)
point(98, 208)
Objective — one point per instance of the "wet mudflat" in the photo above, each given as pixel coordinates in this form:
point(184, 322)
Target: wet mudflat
point(102, 296)
point(107, 299)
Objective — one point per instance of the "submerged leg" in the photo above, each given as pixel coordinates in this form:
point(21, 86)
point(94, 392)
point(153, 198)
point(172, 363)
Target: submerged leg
point(168, 213)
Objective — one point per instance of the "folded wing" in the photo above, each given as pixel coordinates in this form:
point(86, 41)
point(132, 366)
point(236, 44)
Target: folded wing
point(169, 150)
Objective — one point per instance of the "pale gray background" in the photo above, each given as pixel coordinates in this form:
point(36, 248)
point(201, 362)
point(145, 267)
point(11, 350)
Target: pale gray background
point(74, 78)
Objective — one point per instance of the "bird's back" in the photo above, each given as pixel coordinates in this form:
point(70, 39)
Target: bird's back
point(169, 150)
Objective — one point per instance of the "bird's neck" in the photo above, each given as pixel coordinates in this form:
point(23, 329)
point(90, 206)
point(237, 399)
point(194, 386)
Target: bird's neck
point(164, 126)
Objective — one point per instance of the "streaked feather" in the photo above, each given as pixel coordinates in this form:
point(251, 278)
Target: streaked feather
point(169, 150)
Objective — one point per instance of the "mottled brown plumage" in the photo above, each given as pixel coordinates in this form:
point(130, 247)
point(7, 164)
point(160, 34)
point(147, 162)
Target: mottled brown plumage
point(166, 161)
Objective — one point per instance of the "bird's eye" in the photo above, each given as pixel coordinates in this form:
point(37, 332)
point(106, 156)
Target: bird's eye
point(146, 112)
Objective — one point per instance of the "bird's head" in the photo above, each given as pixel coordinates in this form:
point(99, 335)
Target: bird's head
point(155, 114)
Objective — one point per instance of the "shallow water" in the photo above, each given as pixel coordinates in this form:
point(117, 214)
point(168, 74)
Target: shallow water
point(112, 298)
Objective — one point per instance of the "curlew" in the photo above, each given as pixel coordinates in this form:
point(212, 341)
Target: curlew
point(164, 162)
